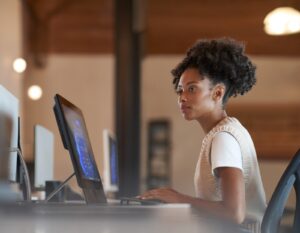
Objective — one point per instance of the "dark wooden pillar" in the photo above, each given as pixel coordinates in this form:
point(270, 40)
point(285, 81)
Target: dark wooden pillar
point(128, 37)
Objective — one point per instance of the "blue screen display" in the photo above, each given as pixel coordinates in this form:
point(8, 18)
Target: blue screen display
point(113, 163)
point(82, 145)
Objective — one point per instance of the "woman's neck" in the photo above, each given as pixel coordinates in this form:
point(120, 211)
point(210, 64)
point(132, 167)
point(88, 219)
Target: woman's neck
point(209, 122)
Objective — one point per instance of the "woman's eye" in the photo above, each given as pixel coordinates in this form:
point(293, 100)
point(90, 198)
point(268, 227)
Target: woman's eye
point(191, 89)
point(178, 91)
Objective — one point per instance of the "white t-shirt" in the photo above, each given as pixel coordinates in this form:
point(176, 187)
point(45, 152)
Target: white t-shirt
point(225, 152)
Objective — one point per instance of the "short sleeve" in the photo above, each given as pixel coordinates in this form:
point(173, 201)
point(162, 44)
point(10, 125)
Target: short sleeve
point(225, 152)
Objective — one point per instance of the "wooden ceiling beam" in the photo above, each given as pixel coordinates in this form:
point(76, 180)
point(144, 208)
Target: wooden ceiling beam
point(171, 26)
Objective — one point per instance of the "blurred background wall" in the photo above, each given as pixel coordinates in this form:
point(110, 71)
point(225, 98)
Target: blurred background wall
point(10, 45)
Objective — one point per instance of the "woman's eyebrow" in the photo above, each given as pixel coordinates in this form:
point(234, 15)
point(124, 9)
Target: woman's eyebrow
point(191, 82)
point(188, 83)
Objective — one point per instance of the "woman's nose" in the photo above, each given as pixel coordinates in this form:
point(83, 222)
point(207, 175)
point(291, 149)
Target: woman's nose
point(182, 98)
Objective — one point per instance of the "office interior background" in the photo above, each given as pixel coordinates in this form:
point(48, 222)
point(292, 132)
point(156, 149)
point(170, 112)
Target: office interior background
point(69, 48)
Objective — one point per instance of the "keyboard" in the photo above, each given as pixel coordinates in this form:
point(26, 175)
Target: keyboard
point(138, 201)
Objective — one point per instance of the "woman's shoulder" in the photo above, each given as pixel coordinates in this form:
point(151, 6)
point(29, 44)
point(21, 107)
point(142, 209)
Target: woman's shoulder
point(229, 125)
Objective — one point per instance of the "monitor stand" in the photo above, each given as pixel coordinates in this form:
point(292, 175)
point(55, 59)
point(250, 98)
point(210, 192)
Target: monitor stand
point(59, 188)
point(94, 196)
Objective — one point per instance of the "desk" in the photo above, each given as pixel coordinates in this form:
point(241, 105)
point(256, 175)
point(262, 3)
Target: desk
point(74, 218)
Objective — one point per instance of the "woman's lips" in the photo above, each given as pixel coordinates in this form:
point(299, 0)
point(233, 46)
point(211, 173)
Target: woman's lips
point(184, 109)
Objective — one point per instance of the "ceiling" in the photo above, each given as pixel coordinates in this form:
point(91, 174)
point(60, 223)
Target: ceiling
point(170, 26)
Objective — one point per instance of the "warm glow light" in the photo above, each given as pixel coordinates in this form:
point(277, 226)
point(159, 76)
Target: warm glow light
point(19, 65)
point(282, 21)
point(35, 92)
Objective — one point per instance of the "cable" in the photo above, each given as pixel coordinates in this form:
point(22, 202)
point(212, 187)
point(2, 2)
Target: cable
point(25, 170)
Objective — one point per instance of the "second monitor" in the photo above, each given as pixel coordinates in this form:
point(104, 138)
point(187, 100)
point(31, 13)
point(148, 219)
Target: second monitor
point(43, 156)
point(111, 168)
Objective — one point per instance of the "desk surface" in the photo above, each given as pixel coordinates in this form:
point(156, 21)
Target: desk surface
point(74, 218)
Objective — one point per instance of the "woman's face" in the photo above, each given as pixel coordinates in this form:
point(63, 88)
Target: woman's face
point(195, 95)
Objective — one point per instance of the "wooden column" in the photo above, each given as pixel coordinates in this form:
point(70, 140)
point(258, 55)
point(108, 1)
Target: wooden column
point(128, 36)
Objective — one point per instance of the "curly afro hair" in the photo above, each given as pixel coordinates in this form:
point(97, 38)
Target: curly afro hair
point(222, 61)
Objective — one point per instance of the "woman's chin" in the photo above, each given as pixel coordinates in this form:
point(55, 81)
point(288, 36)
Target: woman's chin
point(187, 117)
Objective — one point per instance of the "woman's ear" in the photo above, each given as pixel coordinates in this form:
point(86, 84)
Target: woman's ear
point(219, 91)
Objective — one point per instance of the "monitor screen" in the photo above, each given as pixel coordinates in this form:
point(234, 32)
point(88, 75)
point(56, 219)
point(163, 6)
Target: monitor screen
point(83, 149)
point(75, 139)
point(43, 156)
point(111, 172)
point(9, 105)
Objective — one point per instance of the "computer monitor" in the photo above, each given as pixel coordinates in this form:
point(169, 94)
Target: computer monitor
point(75, 139)
point(5, 136)
point(9, 105)
point(110, 158)
point(43, 156)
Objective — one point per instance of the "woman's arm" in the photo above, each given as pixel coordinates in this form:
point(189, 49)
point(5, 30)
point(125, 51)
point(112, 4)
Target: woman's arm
point(232, 207)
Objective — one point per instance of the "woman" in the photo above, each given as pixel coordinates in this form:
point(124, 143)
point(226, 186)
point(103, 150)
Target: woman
point(227, 178)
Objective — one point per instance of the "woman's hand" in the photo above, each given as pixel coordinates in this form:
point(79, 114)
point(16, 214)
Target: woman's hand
point(167, 195)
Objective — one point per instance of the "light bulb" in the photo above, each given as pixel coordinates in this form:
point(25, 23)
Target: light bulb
point(282, 21)
point(19, 65)
point(35, 92)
